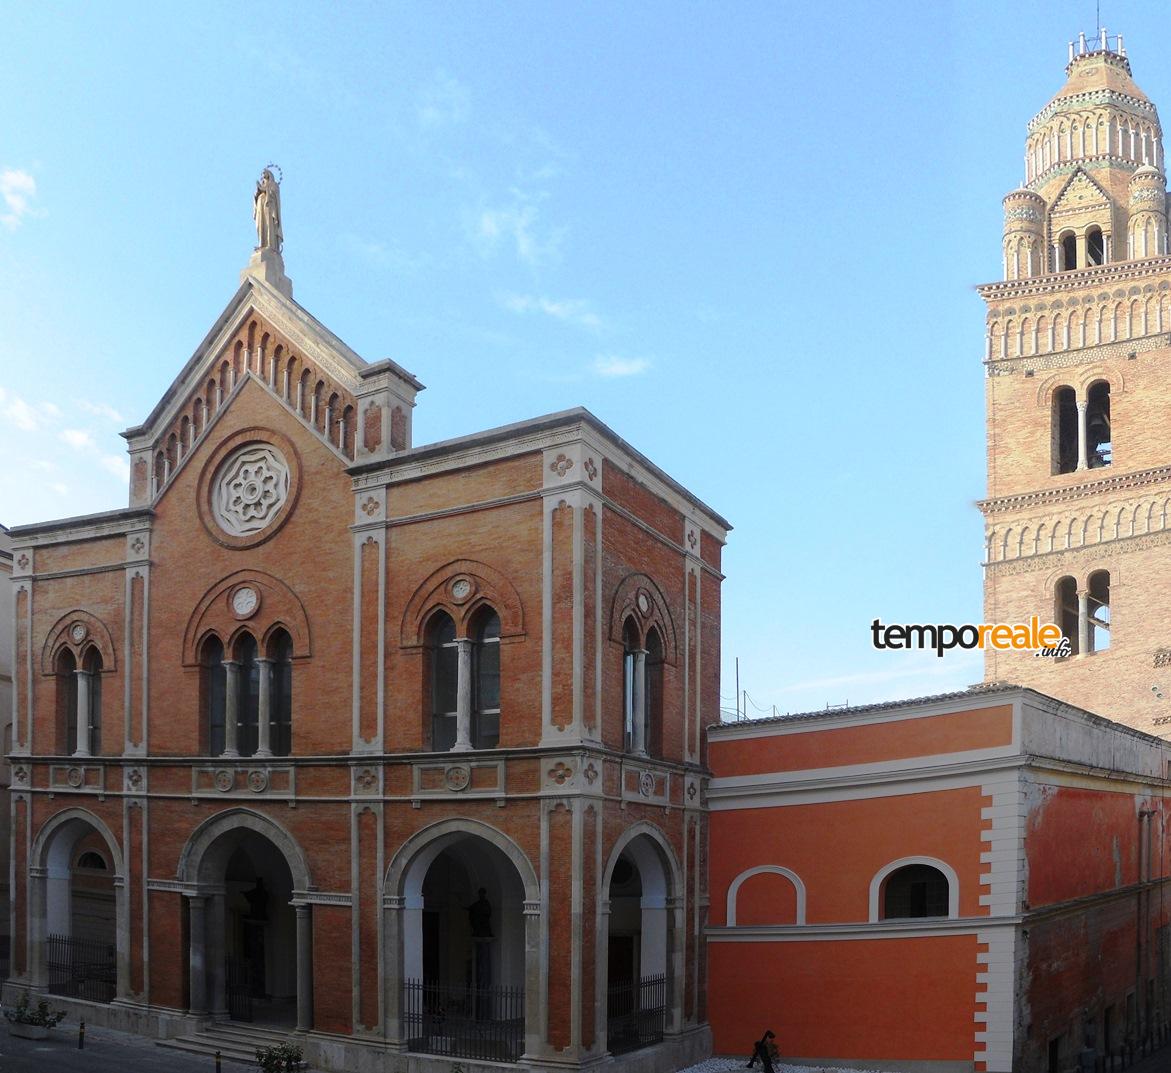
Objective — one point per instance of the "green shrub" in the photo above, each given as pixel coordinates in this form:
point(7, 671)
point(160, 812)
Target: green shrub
point(279, 1058)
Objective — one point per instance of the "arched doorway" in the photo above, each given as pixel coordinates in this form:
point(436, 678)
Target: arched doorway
point(250, 938)
point(77, 909)
point(466, 944)
point(642, 936)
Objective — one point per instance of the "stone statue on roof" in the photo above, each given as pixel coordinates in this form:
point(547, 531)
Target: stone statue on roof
point(266, 212)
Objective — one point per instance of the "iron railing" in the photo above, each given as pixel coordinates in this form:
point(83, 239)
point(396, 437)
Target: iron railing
point(238, 988)
point(82, 968)
point(636, 1013)
point(487, 1023)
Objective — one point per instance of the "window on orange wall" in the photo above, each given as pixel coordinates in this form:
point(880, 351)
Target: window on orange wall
point(915, 890)
point(444, 680)
point(486, 681)
point(214, 695)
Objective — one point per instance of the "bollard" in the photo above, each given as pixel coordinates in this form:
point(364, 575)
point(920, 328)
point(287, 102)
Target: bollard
point(81, 1036)
point(217, 1063)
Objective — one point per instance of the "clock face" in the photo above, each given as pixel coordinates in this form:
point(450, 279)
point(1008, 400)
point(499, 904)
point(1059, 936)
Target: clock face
point(245, 600)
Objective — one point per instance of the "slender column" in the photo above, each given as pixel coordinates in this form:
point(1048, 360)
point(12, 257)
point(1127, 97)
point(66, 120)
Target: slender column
point(638, 719)
point(304, 968)
point(1083, 622)
point(38, 926)
point(216, 955)
point(197, 977)
point(83, 714)
point(463, 696)
point(265, 716)
point(231, 706)
point(1081, 435)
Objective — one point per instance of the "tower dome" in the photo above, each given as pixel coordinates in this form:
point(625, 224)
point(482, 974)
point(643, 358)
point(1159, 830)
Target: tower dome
point(1094, 156)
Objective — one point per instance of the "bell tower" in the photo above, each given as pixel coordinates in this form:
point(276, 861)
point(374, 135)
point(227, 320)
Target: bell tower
point(1078, 390)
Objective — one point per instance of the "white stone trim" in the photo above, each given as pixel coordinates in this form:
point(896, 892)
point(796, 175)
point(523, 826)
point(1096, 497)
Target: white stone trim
point(996, 987)
point(765, 869)
point(953, 884)
point(850, 932)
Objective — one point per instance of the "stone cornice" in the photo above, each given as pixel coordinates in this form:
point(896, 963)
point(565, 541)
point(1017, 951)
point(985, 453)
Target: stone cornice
point(83, 527)
point(1097, 276)
point(1085, 490)
point(1074, 102)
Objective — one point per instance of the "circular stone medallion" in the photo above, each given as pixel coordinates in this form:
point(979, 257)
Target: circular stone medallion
point(646, 784)
point(461, 589)
point(249, 489)
point(245, 601)
point(78, 632)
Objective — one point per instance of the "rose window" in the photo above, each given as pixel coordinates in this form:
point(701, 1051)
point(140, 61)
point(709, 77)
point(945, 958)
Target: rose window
point(250, 489)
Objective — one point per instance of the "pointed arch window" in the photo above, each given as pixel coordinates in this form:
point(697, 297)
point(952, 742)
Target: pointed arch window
point(247, 695)
point(654, 693)
point(214, 689)
point(486, 679)
point(66, 674)
point(444, 658)
point(633, 662)
point(280, 698)
point(89, 705)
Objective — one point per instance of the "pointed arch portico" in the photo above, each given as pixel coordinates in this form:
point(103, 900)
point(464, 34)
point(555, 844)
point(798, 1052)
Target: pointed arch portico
point(49, 890)
point(202, 870)
point(403, 908)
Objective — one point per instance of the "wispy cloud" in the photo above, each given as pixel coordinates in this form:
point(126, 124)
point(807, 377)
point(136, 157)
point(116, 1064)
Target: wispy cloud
point(102, 409)
point(77, 438)
point(963, 665)
point(614, 365)
point(381, 254)
point(18, 190)
point(518, 225)
point(24, 415)
point(443, 101)
point(117, 465)
point(571, 310)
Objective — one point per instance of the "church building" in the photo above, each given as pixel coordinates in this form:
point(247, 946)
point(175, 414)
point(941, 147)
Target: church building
point(395, 747)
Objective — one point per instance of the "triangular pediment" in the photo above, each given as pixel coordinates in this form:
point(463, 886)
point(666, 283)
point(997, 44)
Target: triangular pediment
point(1080, 193)
point(266, 312)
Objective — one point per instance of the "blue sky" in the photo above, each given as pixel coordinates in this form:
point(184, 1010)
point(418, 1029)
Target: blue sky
point(744, 235)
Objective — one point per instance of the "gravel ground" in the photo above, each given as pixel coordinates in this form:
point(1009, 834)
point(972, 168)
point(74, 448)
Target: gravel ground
point(726, 1065)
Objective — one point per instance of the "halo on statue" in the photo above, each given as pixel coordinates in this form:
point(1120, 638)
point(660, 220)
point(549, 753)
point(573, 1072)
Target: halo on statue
point(280, 175)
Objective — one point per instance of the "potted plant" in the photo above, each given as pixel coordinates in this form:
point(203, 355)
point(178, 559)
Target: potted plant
point(32, 1022)
point(279, 1058)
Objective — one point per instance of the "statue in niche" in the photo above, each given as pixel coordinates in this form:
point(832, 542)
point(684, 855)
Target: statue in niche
point(480, 916)
point(257, 899)
point(266, 212)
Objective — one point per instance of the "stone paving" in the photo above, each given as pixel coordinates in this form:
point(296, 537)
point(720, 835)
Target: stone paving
point(106, 1051)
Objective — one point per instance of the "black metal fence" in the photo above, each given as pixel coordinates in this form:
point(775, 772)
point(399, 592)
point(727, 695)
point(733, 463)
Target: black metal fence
point(636, 1013)
point(238, 988)
point(82, 968)
point(466, 1022)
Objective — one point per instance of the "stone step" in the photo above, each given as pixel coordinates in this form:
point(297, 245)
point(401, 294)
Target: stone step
point(235, 1042)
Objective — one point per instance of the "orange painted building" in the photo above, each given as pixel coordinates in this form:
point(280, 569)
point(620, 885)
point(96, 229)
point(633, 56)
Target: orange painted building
point(976, 881)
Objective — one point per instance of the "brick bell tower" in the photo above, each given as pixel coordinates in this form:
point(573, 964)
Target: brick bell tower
point(1078, 359)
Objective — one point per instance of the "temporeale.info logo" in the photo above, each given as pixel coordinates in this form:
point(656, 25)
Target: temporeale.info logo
point(1032, 636)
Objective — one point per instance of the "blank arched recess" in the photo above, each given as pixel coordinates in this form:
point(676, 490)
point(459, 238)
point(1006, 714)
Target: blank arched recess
point(953, 885)
point(765, 869)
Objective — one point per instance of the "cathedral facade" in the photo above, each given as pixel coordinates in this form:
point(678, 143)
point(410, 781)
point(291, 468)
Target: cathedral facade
point(398, 748)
